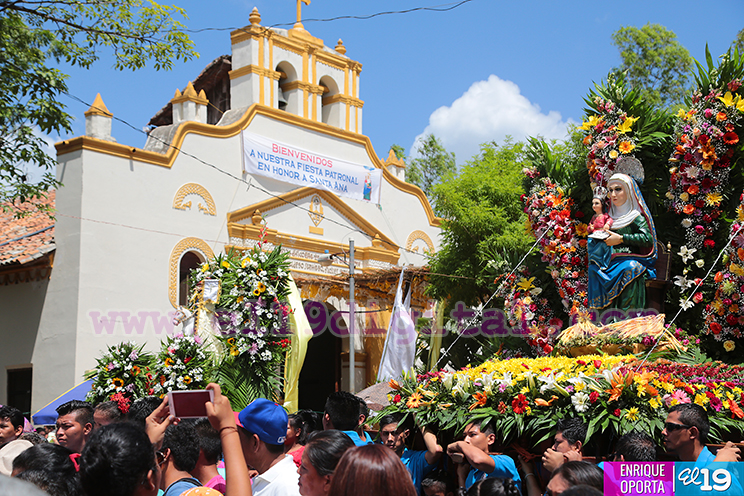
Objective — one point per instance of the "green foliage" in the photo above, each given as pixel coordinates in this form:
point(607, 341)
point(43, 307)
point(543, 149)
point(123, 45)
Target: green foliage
point(399, 151)
point(738, 43)
point(433, 164)
point(654, 62)
point(74, 32)
point(483, 224)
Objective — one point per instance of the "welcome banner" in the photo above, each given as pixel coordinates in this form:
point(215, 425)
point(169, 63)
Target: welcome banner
point(290, 164)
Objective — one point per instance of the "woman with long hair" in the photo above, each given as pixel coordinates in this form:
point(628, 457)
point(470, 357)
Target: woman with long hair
point(371, 470)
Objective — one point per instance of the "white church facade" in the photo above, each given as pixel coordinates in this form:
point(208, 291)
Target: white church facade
point(249, 141)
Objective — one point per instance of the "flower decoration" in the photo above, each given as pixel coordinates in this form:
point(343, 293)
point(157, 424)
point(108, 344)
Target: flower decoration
point(250, 318)
point(181, 364)
point(122, 374)
point(613, 394)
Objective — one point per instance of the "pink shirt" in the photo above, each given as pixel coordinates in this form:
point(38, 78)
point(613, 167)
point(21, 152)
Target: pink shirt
point(217, 483)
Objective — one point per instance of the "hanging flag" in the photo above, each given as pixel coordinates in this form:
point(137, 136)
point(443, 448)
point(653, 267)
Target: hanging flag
point(400, 343)
point(301, 334)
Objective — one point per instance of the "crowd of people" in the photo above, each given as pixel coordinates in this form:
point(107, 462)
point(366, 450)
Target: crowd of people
point(262, 451)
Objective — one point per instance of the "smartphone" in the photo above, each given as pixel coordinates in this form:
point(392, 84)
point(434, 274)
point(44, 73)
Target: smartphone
point(189, 404)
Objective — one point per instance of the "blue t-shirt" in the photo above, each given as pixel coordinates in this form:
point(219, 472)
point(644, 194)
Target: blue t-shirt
point(504, 469)
point(358, 440)
point(181, 486)
point(704, 458)
point(418, 467)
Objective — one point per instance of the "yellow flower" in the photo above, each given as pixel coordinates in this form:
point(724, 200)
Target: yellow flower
point(655, 403)
point(737, 270)
point(613, 154)
point(581, 230)
point(117, 382)
point(684, 196)
point(668, 386)
point(205, 267)
point(525, 390)
point(244, 263)
point(727, 99)
point(234, 351)
point(701, 399)
point(739, 103)
point(187, 380)
point(240, 299)
point(713, 199)
point(682, 114)
point(231, 341)
point(261, 287)
point(729, 345)
point(632, 414)
point(526, 284)
point(168, 362)
point(256, 292)
point(593, 121)
point(626, 125)
point(225, 264)
point(579, 386)
point(626, 147)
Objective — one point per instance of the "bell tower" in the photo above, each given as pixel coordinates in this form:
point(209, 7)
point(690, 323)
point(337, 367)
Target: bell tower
point(293, 71)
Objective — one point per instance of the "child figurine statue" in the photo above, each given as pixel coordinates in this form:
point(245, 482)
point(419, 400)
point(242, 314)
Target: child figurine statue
point(599, 226)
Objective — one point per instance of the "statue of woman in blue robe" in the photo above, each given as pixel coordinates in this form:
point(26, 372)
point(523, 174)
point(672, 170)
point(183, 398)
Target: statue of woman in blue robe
point(622, 284)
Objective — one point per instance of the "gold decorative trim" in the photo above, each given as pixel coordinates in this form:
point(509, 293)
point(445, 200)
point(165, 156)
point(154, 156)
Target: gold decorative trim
point(167, 159)
point(315, 230)
point(194, 189)
point(98, 108)
point(254, 69)
point(349, 100)
point(186, 244)
point(416, 235)
point(190, 95)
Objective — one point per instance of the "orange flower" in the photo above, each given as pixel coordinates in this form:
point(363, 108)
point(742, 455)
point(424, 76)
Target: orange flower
point(393, 384)
point(721, 116)
point(626, 147)
point(688, 209)
point(414, 401)
point(135, 370)
point(740, 252)
point(735, 409)
point(719, 275)
point(542, 402)
point(693, 189)
point(587, 140)
point(480, 400)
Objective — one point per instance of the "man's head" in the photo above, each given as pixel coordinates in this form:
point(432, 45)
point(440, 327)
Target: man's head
point(342, 411)
point(570, 435)
point(438, 483)
point(11, 424)
point(572, 474)
point(142, 408)
point(74, 424)
point(686, 427)
point(210, 444)
point(635, 447)
point(479, 435)
point(180, 449)
point(263, 428)
point(107, 413)
point(392, 433)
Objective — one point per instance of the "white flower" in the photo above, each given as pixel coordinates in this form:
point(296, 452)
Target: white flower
point(686, 253)
point(700, 263)
point(686, 223)
point(535, 291)
point(686, 304)
point(580, 402)
point(682, 282)
point(692, 172)
point(551, 381)
point(447, 379)
point(506, 381)
point(487, 382)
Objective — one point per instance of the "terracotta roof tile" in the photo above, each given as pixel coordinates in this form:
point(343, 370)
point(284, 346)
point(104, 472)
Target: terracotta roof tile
point(27, 238)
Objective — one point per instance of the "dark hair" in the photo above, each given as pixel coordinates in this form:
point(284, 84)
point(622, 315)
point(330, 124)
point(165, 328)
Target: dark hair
point(82, 409)
point(694, 416)
point(485, 425)
point(49, 467)
point(576, 473)
point(304, 420)
point(371, 470)
point(393, 418)
point(573, 429)
point(142, 408)
point(602, 201)
point(636, 447)
point(115, 460)
point(343, 409)
point(33, 438)
point(325, 448)
point(13, 415)
point(363, 408)
point(183, 443)
point(110, 410)
point(440, 480)
point(494, 487)
point(582, 490)
point(13, 486)
point(209, 441)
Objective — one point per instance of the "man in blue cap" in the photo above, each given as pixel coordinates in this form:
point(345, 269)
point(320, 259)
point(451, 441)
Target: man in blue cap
point(263, 427)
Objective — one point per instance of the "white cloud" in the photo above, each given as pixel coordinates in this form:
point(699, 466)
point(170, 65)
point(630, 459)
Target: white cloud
point(489, 111)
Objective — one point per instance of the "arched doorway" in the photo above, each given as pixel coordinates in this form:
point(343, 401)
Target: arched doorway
point(321, 372)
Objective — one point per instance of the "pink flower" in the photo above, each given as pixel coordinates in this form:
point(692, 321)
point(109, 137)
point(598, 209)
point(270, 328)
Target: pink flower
point(198, 339)
point(110, 366)
point(698, 297)
point(171, 350)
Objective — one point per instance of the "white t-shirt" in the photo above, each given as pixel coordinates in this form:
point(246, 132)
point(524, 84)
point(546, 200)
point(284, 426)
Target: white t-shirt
point(279, 480)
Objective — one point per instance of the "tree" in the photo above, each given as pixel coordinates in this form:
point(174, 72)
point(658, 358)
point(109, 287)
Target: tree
point(398, 150)
point(738, 43)
point(433, 163)
point(31, 33)
point(483, 230)
point(653, 60)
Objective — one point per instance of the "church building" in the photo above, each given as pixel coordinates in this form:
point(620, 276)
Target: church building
point(268, 135)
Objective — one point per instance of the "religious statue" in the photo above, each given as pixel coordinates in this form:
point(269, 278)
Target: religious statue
point(599, 230)
point(621, 283)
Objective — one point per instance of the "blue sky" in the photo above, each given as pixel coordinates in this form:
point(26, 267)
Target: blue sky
point(477, 73)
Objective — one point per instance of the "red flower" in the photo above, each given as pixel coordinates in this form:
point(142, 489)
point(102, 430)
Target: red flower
point(397, 398)
point(730, 138)
point(698, 297)
point(186, 360)
point(597, 364)
point(617, 412)
point(709, 243)
point(732, 319)
point(519, 404)
point(593, 397)
point(715, 328)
